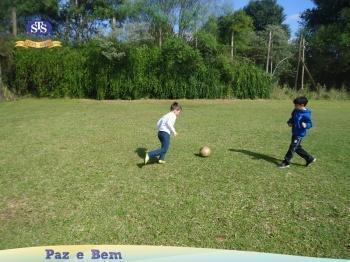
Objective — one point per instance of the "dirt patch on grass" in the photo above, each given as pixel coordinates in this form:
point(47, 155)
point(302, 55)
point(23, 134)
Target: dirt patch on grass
point(13, 207)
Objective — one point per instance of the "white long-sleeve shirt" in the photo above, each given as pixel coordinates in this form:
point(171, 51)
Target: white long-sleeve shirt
point(166, 123)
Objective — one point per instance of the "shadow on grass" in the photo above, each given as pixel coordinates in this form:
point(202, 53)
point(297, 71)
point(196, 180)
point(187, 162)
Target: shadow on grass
point(141, 152)
point(259, 156)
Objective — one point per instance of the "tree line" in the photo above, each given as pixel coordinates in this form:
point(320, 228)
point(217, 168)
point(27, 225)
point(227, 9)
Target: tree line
point(251, 47)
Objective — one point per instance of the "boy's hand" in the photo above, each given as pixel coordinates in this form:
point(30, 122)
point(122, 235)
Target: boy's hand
point(290, 125)
point(303, 124)
point(175, 133)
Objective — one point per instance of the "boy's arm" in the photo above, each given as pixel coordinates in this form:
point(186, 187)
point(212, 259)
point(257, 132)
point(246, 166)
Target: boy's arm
point(306, 122)
point(170, 124)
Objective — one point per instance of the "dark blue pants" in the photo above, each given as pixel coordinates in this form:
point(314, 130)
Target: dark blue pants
point(295, 147)
point(164, 139)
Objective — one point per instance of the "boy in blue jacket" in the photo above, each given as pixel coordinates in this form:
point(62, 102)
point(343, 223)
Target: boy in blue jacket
point(300, 123)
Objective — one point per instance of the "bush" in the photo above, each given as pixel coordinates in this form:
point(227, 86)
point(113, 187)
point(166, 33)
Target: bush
point(109, 70)
point(207, 44)
point(250, 81)
point(245, 79)
point(55, 72)
point(178, 64)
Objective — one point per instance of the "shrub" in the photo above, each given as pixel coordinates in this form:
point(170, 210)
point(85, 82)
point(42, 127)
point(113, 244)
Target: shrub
point(110, 70)
point(250, 81)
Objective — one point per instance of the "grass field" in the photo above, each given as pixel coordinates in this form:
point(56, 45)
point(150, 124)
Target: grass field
point(71, 173)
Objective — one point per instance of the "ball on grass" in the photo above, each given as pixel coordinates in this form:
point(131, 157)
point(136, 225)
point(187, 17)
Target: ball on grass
point(205, 151)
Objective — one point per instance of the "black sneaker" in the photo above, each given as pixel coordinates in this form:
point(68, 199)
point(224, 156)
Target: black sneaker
point(284, 164)
point(308, 163)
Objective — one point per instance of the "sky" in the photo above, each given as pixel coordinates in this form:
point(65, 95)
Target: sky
point(292, 10)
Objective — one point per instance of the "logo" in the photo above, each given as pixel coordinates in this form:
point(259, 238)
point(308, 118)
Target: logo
point(39, 27)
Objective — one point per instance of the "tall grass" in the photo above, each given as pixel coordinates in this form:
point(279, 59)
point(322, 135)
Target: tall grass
point(321, 93)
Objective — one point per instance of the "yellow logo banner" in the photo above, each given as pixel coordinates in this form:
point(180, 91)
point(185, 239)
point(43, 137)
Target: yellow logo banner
point(42, 44)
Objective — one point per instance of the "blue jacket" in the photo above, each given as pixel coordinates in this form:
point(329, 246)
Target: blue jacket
point(298, 117)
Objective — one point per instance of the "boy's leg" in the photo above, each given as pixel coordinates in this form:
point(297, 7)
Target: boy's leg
point(165, 140)
point(295, 143)
point(154, 153)
point(158, 151)
point(301, 152)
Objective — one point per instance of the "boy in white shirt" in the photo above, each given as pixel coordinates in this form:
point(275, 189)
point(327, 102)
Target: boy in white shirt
point(165, 127)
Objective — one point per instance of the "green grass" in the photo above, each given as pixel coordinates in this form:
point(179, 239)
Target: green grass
point(71, 173)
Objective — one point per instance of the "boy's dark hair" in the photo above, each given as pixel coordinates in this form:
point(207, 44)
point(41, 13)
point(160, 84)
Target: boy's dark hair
point(175, 106)
point(301, 100)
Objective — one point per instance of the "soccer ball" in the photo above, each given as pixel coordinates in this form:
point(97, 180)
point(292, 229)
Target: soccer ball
point(205, 151)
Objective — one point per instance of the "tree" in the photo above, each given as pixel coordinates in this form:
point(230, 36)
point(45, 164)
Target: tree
point(211, 26)
point(6, 61)
point(14, 13)
point(83, 18)
point(325, 13)
point(117, 11)
point(266, 12)
point(327, 28)
point(234, 28)
point(5, 17)
point(181, 17)
point(192, 15)
point(280, 49)
point(281, 55)
point(159, 15)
